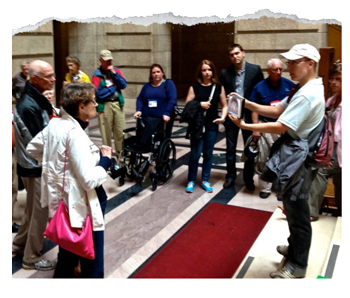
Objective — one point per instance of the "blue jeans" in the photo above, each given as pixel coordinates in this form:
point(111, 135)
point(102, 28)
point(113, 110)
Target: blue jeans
point(205, 145)
point(67, 261)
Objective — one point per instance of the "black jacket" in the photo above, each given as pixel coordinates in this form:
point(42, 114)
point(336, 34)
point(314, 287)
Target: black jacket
point(253, 75)
point(193, 114)
point(31, 115)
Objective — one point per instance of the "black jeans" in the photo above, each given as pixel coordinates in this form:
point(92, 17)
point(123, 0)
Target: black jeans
point(67, 261)
point(298, 217)
point(232, 131)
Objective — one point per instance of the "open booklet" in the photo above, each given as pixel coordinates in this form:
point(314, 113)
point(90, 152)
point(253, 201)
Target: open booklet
point(236, 105)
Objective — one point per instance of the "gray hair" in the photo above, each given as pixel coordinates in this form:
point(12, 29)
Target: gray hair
point(24, 63)
point(272, 61)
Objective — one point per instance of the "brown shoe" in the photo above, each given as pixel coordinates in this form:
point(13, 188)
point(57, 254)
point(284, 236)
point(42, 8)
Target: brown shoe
point(228, 183)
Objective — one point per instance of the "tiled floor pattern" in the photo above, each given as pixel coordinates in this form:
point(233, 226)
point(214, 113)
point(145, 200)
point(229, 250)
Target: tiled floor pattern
point(139, 221)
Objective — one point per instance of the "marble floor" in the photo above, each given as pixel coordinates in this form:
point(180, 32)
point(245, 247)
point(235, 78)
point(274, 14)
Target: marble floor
point(139, 221)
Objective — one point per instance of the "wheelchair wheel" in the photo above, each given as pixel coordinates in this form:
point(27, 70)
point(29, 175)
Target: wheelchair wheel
point(165, 162)
point(154, 184)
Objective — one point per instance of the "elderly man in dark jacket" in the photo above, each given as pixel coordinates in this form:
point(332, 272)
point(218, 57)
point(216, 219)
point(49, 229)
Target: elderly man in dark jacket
point(31, 115)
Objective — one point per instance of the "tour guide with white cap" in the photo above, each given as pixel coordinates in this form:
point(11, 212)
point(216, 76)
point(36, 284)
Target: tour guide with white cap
point(296, 118)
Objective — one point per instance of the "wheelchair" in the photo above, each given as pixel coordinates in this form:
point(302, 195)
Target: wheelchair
point(145, 146)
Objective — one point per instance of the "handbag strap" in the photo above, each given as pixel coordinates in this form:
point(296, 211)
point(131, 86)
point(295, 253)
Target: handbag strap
point(65, 166)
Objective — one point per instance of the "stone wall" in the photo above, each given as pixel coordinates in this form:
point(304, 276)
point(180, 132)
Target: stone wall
point(136, 47)
point(266, 37)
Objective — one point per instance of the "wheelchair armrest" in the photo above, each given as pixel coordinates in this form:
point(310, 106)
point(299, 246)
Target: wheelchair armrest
point(129, 129)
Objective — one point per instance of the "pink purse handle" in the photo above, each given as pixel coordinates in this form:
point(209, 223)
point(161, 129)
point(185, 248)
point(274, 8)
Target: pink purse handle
point(65, 165)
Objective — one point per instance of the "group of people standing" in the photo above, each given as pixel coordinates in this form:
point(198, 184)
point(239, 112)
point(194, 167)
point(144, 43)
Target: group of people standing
point(57, 161)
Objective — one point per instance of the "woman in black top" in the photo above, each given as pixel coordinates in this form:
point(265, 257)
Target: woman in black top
point(208, 108)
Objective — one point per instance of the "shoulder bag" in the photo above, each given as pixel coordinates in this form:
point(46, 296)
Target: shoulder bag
point(76, 240)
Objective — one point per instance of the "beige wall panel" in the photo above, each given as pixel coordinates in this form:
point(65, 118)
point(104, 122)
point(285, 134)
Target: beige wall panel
point(161, 43)
point(135, 74)
point(131, 92)
point(24, 45)
point(47, 27)
point(122, 28)
point(164, 59)
point(161, 29)
point(278, 41)
point(133, 58)
point(129, 42)
point(268, 23)
point(286, 41)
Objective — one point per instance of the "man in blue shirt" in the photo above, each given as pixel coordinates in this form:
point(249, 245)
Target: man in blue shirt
point(269, 92)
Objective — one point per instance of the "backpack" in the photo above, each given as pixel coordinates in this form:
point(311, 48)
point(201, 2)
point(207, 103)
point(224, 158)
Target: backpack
point(321, 143)
point(321, 139)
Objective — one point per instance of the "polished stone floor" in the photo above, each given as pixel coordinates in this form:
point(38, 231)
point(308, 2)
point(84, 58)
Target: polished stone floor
point(139, 221)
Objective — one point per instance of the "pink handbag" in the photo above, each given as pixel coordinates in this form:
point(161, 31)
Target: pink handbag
point(76, 240)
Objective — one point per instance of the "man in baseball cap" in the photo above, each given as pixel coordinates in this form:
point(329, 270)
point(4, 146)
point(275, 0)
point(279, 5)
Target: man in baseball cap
point(302, 61)
point(302, 50)
point(297, 115)
point(106, 55)
point(109, 82)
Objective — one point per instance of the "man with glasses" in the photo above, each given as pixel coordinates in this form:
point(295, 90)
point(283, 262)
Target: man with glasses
point(298, 115)
point(32, 113)
point(268, 92)
point(239, 77)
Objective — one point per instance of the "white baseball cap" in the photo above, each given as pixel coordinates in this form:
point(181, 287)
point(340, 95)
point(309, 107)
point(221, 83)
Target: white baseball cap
point(302, 50)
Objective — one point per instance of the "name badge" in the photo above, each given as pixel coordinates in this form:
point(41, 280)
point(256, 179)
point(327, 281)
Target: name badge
point(152, 103)
point(109, 83)
point(275, 102)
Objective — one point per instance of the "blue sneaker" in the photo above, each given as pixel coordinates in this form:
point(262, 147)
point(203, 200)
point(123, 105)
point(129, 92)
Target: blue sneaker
point(190, 187)
point(206, 186)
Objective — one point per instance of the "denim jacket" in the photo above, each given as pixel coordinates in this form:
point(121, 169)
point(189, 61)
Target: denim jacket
point(287, 169)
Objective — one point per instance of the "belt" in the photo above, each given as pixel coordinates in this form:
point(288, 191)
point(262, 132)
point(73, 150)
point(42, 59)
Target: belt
point(112, 98)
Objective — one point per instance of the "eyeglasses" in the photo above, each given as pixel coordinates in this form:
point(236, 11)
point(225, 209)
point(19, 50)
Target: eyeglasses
point(93, 101)
point(293, 63)
point(48, 77)
point(276, 69)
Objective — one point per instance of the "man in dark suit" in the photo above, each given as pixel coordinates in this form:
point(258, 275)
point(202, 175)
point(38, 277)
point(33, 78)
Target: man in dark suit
point(240, 77)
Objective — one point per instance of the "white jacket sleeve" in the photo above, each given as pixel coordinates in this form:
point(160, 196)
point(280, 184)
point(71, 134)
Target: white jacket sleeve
point(35, 147)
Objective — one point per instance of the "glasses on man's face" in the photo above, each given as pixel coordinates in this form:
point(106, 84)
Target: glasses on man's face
point(296, 62)
point(277, 69)
point(48, 77)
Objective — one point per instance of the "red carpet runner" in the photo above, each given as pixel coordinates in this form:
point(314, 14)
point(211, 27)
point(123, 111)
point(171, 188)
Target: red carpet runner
point(212, 245)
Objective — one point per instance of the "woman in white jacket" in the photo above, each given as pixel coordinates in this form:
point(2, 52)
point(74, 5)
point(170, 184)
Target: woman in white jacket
point(67, 154)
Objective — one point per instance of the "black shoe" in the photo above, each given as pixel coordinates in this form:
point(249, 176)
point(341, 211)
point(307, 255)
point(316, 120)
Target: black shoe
point(15, 228)
point(228, 183)
point(250, 186)
point(264, 195)
point(279, 197)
